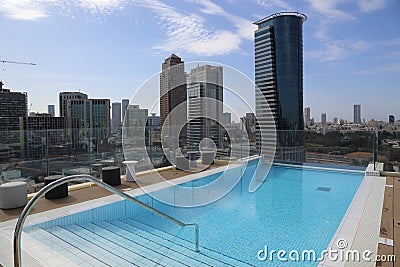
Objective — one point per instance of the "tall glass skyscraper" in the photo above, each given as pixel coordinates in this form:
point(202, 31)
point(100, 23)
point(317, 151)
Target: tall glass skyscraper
point(279, 77)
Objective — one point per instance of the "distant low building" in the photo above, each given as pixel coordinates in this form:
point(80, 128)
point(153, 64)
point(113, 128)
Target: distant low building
point(391, 119)
point(153, 120)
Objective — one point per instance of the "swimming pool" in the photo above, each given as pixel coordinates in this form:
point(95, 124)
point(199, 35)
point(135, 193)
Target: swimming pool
point(295, 209)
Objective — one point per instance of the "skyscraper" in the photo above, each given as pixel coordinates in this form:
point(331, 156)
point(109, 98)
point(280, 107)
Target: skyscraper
point(357, 114)
point(205, 92)
point(279, 77)
point(93, 118)
point(323, 118)
point(125, 104)
point(12, 106)
point(51, 109)
point(173, 92)
point(116, 115)
point(65, 96)
point(307, 116)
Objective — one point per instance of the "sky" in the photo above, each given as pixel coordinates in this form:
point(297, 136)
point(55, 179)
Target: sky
point(109, 48)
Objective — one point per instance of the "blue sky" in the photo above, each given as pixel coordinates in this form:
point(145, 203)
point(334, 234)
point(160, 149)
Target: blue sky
point(108, 48)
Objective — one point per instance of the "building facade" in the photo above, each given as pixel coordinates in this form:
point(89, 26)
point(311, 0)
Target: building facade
point(116, 116)
point(391, 119)
point(125, 104)
point(93, 120)
point(51, 109)
point(12, 106)
point(357, 114)
point(173, 94)
point(205, 105)
point(153, 120)
point(279, 77)
point(43, 135)
point(63, 100)
point(323, 118)
point(307, 116)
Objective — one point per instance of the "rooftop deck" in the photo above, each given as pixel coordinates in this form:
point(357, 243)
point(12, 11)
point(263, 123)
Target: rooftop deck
point(389, 230)
point(390, 225)
point(94, 192)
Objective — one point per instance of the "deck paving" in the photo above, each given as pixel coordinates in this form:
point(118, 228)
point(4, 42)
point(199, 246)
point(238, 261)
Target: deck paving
point(94, 192)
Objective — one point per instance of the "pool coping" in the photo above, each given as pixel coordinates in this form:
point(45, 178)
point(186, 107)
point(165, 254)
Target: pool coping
point(360, 227)
point(345, 230)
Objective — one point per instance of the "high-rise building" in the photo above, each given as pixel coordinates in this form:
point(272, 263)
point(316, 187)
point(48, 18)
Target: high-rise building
point(227, 118)
point(357, 114)
point(173, 94)
point(279, 77)
point(125, 104)
point(134, 133)
point(93, 119)
point(116, 115)
point(64, 97)
point(335, 120)
point(249, 122)
point(42, 134)
point(323, 118)
point(307, 116)
point(12, 106)
point(51, 109)
point(205, 107)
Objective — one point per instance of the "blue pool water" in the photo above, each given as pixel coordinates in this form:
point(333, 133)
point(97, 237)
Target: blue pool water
point(287, 212)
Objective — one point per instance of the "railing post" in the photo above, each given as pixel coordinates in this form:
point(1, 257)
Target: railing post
point(197, 237)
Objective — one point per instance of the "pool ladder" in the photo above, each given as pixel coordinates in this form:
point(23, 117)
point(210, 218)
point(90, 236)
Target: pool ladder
point(83, 177)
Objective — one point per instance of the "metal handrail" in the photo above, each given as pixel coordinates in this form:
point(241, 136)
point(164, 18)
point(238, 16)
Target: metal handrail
point(83, 177)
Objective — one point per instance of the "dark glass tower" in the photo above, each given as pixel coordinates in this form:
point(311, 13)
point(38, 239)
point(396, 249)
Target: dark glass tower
point(279, 77)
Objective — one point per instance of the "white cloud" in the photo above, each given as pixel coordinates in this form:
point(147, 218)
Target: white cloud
point(101, 6)
point(184, 32)
point(245, 27)
point(371, 5)
point(187, 33)
point(274, 4)
point(26, 9)
point(329, 8)
point(38, 9)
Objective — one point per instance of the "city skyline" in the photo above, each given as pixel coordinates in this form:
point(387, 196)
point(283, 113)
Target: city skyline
point(102, 42)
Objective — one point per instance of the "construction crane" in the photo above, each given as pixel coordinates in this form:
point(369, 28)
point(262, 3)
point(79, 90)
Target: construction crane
point(17, 62)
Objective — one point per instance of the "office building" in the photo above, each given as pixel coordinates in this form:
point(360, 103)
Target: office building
point(226, 118)
point(323, 118)
point(63, 99)
point(249, 121)
point(12, 106)
point(43, 134)
point(173, 95)
point(307, 116)
point(134, 133)
point(125, 104)
point(279, 77)
point(51, 109)
point(357, 114)
point(116, 116)
point(153, 120)
point(93, 119)
point(205, 107)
